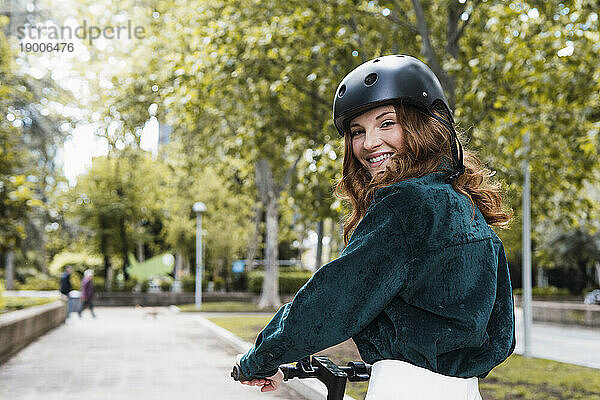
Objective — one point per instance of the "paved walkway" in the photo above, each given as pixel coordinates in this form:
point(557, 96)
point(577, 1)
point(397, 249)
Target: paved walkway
point(570, 344)
point(123, 356)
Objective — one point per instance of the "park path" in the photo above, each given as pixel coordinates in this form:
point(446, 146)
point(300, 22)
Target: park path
point(125, 355)
point(570, 344)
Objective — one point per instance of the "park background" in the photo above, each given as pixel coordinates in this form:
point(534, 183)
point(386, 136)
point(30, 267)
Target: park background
point(229, 103)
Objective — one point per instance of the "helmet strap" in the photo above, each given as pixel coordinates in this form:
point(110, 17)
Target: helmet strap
point(458, 167)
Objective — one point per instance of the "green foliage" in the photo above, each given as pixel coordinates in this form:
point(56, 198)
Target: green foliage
point(165, 285)
point(225, 223)
point(219, 283)
point(99, 283)
point(16, 195)
point(222, 306)
point(2, 300)
point(13, 303)
point(506, 94)
point(123, 286)
point(577, 250)
point(39, 282)
point(188, 283)
point(30, 137)
point(79, 261)
point(119, 200)
point(241, 83)
point(260, 84)
point(289, 282)
point(145, 285)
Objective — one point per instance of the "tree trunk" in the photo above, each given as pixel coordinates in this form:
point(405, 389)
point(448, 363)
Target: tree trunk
point(319, 257)
point(42, 245)
point(140, 252)
point(107, 273)
point(187, 266)
point(10, 270)
point(454, 11)
point(329, 247)
point(270, 290)
point(124, 247)
point(430, 55)
point(104, 251)
point(109, 277)
point(269, 194)
point(178, 266)
point(253, 247)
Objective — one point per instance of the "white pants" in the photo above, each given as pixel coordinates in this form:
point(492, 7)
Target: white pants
point(399, 380)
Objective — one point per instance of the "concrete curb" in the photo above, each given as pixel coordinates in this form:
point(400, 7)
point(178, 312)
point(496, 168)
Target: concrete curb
point(309, 389)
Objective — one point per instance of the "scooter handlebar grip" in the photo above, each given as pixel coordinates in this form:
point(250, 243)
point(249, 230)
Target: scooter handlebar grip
point(289, 371)
point(237, 374)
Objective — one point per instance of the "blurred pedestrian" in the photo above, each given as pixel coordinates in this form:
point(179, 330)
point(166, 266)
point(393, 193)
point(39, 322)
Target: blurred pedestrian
point(65, 281)
point(65, 287)
point(87, 292)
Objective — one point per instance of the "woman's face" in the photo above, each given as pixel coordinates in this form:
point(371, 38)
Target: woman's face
point(376, 136)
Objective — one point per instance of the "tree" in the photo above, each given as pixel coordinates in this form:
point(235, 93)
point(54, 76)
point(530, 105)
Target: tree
point(262, 85)
point(240, 83)
point(226, 223)
point(120, 192)
point(31, 116)
point(313, 189)
point(16, 191)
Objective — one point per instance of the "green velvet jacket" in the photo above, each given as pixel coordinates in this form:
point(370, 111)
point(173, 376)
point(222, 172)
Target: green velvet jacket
point(423, 279)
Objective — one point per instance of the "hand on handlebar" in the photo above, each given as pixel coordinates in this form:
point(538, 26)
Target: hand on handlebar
point(267, 384)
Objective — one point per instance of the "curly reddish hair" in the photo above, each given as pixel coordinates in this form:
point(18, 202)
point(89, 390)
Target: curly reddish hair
point(426, 149)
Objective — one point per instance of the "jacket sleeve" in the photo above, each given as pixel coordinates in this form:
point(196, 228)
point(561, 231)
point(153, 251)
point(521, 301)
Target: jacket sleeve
point(340, 299)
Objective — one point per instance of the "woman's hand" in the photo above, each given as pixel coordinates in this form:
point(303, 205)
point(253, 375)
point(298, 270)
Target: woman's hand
point(268, 384)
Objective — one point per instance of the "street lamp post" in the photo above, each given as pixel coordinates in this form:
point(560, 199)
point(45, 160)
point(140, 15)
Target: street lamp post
point(199, 208)
point(526, 263)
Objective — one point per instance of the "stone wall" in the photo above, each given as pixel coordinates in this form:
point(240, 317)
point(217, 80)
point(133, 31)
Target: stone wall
point(166, 298)
point(566, 313)
point(19, 328)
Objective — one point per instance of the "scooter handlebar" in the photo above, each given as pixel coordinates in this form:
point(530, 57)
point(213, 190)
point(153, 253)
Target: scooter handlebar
point(289, 372)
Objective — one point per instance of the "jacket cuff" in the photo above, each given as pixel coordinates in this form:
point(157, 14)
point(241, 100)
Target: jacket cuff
point(257, 366)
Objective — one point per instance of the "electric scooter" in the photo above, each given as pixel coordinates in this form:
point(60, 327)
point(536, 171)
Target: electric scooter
point(333, 376)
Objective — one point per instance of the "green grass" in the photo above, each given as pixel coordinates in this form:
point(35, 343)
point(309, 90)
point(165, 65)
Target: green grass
point(222, 306)
point(517, 378)
point(13, 303)
point(533, 378)
point(244, 326)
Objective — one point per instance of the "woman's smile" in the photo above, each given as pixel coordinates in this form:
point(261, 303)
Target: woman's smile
point(378, 158)
point(376, 136)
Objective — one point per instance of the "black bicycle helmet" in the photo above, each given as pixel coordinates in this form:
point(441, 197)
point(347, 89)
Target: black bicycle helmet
point(388, 80)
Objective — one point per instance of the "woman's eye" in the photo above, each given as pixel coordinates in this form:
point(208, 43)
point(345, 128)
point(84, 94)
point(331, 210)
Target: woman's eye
point(387, 123)
point(356, 132)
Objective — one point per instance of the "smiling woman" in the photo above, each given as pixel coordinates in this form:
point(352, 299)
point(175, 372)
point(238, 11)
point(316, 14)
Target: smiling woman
point(376, 136)
point(422, 286)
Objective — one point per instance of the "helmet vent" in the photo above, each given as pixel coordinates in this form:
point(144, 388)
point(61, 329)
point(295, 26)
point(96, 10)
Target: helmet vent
point(342, 91)
point(371, 79)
